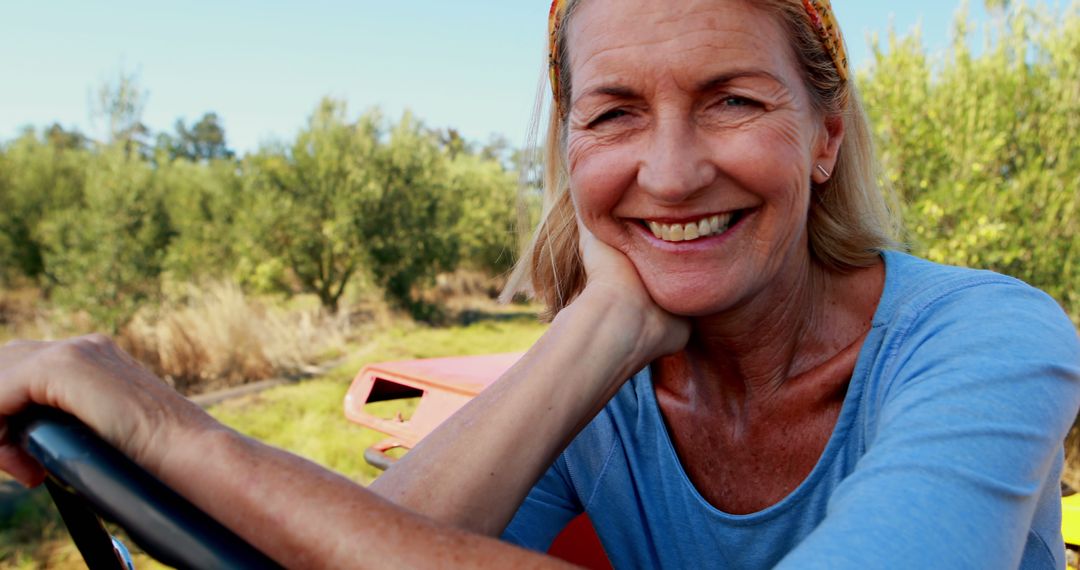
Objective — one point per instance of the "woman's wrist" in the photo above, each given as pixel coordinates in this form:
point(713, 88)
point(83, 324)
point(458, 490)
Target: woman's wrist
point(620, 325)
point(641, 330)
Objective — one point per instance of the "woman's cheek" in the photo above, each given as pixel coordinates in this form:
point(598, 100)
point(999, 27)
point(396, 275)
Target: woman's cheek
point(599, 172)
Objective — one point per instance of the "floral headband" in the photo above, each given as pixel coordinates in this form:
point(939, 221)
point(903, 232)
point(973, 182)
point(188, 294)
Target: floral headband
point(819, 11)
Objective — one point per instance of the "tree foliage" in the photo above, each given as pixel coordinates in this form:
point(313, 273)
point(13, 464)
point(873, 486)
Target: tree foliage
point(104, 252)
point(409, 216)
point(982, 146)
point(305, 197)
point(37, 176)
point(204, 140)
point(205, 205)
point(117, 105)
point(361, 195)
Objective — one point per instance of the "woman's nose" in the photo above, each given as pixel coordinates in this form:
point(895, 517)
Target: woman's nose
point(676, 164)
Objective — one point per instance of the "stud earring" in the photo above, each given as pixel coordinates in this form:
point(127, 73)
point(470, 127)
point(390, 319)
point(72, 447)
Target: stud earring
point(824, 172)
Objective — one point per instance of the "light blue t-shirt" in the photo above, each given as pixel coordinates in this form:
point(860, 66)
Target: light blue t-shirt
point(946, 453)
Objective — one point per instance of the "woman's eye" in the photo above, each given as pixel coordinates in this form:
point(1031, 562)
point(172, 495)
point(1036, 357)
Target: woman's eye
point(608, 116)
point(735, 101)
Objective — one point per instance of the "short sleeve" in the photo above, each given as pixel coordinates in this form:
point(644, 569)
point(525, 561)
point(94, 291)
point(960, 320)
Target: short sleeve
point(982, 384)
point(547, 509)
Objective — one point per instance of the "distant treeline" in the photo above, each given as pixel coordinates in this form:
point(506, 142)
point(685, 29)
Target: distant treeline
point(103, 226)
point(983, 149)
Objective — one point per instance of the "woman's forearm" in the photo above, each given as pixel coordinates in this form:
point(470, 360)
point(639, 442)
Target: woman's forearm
point(293, 510)
point(476, 468)
point(306, 517)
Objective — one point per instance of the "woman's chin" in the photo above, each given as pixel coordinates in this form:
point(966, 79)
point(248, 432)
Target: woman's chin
point(689, 300)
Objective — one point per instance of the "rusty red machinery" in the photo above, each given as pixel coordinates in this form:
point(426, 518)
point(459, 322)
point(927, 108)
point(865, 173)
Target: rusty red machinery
point(443, 385)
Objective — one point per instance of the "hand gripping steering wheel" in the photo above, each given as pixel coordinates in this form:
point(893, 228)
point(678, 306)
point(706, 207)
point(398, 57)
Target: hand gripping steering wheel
point(87, 476)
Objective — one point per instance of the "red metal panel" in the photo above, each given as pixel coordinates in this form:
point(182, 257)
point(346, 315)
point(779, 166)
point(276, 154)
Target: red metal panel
point(578, 544)
point(445, 385)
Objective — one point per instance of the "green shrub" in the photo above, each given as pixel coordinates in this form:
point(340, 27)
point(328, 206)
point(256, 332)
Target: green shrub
point(105, 252)
point(983, 148)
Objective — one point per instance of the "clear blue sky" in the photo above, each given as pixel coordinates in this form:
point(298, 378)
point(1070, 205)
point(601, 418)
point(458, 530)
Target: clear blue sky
point(263, 65)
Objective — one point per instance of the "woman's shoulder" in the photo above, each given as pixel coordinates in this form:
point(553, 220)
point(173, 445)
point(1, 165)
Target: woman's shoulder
point(970, 328)
point(922, 293)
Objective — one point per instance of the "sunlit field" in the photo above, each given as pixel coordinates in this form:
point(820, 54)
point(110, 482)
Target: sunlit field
point(305, 417)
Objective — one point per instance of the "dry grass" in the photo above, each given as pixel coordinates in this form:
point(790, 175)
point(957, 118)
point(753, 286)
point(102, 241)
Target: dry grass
point(218, 337)
point(25, 314)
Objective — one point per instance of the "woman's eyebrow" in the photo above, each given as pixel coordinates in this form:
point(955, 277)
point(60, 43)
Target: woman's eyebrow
point(722, 79)
point(617, 91)
point(710, 84)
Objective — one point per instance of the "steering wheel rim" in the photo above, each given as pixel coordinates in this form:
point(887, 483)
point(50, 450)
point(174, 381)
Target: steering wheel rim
point(86, 473)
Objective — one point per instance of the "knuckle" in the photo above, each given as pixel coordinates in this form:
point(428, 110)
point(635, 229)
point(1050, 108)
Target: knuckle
point(97, 339)
point(64, 351)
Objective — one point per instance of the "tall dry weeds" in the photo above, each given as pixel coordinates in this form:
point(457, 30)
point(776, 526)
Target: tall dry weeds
point(219, 337)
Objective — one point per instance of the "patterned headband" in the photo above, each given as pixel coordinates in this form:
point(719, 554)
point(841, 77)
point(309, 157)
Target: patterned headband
point(819, 11)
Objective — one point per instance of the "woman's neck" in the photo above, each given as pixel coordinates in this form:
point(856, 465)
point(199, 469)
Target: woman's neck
point(802, 329)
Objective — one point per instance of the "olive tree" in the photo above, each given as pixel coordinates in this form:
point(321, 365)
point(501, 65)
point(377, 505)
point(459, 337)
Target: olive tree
point(305, 196)
point(104, 252)
point(982, 146)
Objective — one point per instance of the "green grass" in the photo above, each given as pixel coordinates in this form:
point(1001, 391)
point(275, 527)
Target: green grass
point(306, 418)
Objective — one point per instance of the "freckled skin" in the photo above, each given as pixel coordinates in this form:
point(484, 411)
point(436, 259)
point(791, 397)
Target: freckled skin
point(684, 109)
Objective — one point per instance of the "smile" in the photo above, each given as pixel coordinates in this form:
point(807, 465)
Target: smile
point(696, 229)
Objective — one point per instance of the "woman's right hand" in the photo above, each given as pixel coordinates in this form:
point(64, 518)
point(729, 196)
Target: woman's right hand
point(93, 379)
point(612, 276)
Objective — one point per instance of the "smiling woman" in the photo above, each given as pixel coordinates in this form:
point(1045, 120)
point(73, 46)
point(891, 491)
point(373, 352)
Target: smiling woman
point(847, 216)
point(800, 393)
point(740, 371)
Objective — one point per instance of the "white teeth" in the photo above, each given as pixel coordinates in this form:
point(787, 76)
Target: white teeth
point(704, 228)
point(686, 232)
point(690, 232)
point(655, 229)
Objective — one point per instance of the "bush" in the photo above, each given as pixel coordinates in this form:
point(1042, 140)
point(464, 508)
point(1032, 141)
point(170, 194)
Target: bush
point(104, 252)
point(305, 197)
point(217, 337)
point(37, 177)
point(204, 202)
point(409, 217)
point(983, 148)
point(488, 198)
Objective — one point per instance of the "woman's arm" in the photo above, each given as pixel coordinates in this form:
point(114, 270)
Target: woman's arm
point(293, 510)
point(475, 470)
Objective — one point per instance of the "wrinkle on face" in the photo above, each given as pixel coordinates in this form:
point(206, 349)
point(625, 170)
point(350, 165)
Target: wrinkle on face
point(677, 113)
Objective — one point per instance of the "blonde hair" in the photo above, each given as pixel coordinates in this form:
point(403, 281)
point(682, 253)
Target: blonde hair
point(850, 219)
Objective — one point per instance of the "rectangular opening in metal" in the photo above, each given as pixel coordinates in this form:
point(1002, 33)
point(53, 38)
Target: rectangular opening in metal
point(392, 400)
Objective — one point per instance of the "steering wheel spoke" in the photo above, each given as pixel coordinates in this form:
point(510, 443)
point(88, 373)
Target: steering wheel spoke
point(88, 477)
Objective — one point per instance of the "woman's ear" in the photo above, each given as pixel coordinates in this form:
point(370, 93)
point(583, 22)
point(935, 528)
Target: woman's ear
point(828, 148)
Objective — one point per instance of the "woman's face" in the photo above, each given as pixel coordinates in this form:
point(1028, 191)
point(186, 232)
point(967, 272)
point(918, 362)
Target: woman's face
point(691, 147)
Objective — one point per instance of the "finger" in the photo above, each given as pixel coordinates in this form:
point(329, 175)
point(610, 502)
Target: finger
point(20, 466)
point(17, 463)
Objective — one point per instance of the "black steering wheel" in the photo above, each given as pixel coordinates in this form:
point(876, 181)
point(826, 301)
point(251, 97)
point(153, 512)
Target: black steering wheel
point(87, 477)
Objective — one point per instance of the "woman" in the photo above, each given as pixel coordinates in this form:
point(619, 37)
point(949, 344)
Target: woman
point(798, 394)
point(823, 401)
